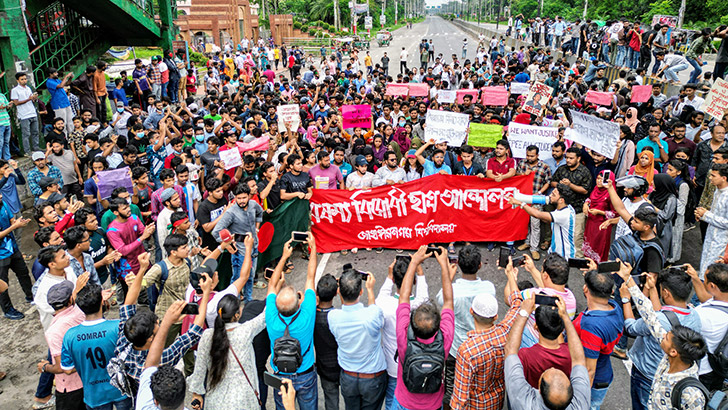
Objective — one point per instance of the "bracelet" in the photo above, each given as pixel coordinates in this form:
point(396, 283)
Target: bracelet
point(44, 368)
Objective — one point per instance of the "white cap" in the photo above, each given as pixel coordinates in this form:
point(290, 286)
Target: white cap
point(192, 107)
point(485, 305)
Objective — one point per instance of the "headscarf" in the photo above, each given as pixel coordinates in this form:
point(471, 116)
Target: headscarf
point(563, 119)
point(374, 164)
point(649, 171)
point(632, 122)
point(358, 147)
point(394, 147)
point(379, 153)
point(400, 136)
point(664, 188)
point(599, 197)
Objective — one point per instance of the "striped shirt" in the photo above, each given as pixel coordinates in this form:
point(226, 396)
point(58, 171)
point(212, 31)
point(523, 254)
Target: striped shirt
point(562, 232)
point(4, 116)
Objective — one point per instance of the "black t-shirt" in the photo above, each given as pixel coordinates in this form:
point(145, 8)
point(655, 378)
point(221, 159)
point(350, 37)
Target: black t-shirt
point(261, 342)
point(295, 183)
point(652, 260)
point(324, 344)
point(208, 212)
point(274, 196)
point(208, 160)
point(145, 202)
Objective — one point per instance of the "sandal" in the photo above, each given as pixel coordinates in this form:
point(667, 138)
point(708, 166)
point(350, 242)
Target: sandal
point(27, 258)
point(451, 249)
point(289, 267)
point(619, 356)
point(259, 284)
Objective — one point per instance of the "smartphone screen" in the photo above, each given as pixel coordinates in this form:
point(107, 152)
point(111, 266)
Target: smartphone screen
point(434, 250)
point(191, 309)
point(608, 266)
point(503, 255)
point(518, 261)
point(300, 236)
point(364, 275)
point(578, 263)
point(452, 258)
point(272, 380)
point(546, 300)
point(268, 273)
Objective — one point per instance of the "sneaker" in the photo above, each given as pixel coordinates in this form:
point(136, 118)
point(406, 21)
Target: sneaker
point(379, 250)
point(29, 300)
point(13, 314)
point(523, 247)
point(535, 255)
point(490, 246)
point(50, 403)
point(688, 226)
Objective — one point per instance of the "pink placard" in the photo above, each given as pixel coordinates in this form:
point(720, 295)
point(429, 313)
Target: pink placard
point(462, 93)
point(258, 144)
point(495, 96)
point(397, 89)
point(641, 93)
point(357, 115)
point(600, 98)
point(419, 90)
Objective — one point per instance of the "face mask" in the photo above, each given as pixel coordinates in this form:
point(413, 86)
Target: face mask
point(120, 109)
point(140, 134)
point(402, 123)
point(628, 115)
point(200, 138)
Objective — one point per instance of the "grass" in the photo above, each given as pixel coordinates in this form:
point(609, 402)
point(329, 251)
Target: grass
point(141, 52)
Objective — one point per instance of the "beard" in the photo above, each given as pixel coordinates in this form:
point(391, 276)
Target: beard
point(59, 153)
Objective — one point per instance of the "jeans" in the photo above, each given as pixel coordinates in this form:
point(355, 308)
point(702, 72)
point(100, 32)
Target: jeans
point(363, 394)
point(45, 382)
point(237, 261)
point(697, 70)
point(671, 72)
point(172, 87)
point(306, 387)
point(164, 88)
point(633, 58)
point(719, 70)
point(389, 397)
point(402, 66)
point(29, 130)
point(5, 142)
point(17, 264)
point(640, 387)
point(621, 56)
point(331, 394)
point(605, 53)
point(656, 66)
point(156, 90)
point(119, 405)
point(597, 397)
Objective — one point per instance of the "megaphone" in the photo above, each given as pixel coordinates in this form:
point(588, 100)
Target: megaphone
point(531, 199)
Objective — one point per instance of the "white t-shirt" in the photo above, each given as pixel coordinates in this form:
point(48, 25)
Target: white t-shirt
point(622, 227)
point(27, 110)
point(403, 55)
point(562, 232)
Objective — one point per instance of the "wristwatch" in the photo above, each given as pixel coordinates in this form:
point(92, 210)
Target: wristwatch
point(625, 301)
point(524, 313)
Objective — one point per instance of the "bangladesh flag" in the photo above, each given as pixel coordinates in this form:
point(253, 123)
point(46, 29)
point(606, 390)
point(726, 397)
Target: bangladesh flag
point(293, 215)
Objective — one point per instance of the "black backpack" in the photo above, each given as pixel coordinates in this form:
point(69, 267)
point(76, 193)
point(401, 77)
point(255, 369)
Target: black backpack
point(630, 249)
point(718, 359)
point(424, 364)
point(287, 350)
point(716, 401)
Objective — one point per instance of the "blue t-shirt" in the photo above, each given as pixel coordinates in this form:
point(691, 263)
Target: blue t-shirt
point(430, 168)
point(59, 98)
point(7, 244)
point(345, 169)
point(119, 94)
point(91, 189)
point(88, 348)
point(647, 142)
point(599, 331)
point(301, 328)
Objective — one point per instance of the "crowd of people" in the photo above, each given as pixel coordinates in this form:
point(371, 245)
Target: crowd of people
point(177, 253)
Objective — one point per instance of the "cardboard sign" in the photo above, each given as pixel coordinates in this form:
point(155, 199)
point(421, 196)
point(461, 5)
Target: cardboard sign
point(446, 96)
point(419, 90)
point(520, 136)
point(495, 96)
point(599, 98)
point(357, 116)
point(288, 113)
point(396, 89)
point(717, 100)
point(484, 135)
point(520, 88)
point(462, 93)
point(231, 158)
point(446, 126)
point(641, 93)
point(538, 96)
point(595, 133)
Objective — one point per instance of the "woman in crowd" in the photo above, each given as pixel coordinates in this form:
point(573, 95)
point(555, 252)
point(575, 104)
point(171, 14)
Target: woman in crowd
point(625, 151)
point(664, 198)
point(645, 167)
point(678, 171)
point(598, 208)
point(412, 168)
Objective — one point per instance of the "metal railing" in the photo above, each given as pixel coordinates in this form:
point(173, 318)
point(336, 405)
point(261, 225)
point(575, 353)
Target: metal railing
point(149, 7)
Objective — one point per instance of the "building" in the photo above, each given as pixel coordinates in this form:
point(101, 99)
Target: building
point(217, 21)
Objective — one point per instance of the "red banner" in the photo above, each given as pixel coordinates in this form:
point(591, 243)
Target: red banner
point(599, 97)
point(495, 96)
point(438, 208)
point(419, 90)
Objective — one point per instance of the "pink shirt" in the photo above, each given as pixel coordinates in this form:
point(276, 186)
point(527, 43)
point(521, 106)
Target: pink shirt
point(325, 178)
point(54, 336)
point(420, 401)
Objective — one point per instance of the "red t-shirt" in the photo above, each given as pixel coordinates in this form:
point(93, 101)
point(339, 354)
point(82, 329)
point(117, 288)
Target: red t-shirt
point(537, 359)
point(501, 168)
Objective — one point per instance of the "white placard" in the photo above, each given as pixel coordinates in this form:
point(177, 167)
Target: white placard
point(288, 113)
point(231, 158)
point(520, 88)
point(592, 132)
point(520, 136)
point(446, 96)
point(446, 126)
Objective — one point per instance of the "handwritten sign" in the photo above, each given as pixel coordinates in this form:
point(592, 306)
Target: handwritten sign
point(717, 100)
point(495, 96)
point(538, 96)
point(357, 115)
point(446, 96)
point(520, 88)
point(462, 93)
point(419, 89)
point(395, 89)
point(595, 133)
point(288, 113)
point(112, 179)
point(520, 136)
point(484, 135)
point(641, 93)
point(599, 97)
point(445, 126)
point(231, 158)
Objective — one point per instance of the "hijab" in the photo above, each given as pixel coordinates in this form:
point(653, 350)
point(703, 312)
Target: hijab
point(664, 189)
point(649, 171)
point(633, 121)
point(400, 136)
point(394, 147)
point(374, 164)
point(599, 197)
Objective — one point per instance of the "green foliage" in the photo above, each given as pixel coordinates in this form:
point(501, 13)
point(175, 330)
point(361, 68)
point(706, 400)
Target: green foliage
point(304, 29)
point(198, 59)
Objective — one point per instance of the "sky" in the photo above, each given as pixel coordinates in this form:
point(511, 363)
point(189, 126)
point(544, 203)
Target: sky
point(435, 2)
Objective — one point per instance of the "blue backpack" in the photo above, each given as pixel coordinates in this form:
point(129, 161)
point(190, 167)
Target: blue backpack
point(631, 249)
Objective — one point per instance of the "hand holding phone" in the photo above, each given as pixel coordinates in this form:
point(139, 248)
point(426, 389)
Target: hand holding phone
point(191, 309)
point(434, 250)
point(546, 300)
point(578, 263)
point(272, 380)
point(299, 236)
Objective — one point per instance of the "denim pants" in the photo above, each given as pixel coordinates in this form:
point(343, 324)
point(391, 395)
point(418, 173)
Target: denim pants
point(157, 90)
point(164, 89)
point(671, 73)
point(119, 405)
point(331, 394)
point(621, 56)
point(5, 142)
point(697, 70)
point(45, 382)
point(640, 387)
point(306, 387)
point(597, 397)
point(634, 58)
point(363, 394)
point(17, 264)
point(605, 53)
point(172, 87)
point(29, 130)
point(389, 397)
point(656, 66)
point(237, 260)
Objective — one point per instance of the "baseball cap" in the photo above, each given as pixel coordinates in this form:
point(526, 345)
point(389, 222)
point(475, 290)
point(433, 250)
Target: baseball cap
point(37, 155)
point(209, 267)
point(45, 182)
point(411, 154)
point(360, 160)
point(55, 198)
point(155, 58)
point(485, 305)
point(167, 193)
point(119, 104)
point(60, 293)
point(192, 107)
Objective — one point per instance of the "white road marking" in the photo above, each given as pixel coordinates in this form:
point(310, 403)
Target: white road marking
point(321, 267)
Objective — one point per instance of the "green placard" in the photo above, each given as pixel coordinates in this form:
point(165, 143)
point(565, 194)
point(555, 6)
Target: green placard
point(484, 135)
